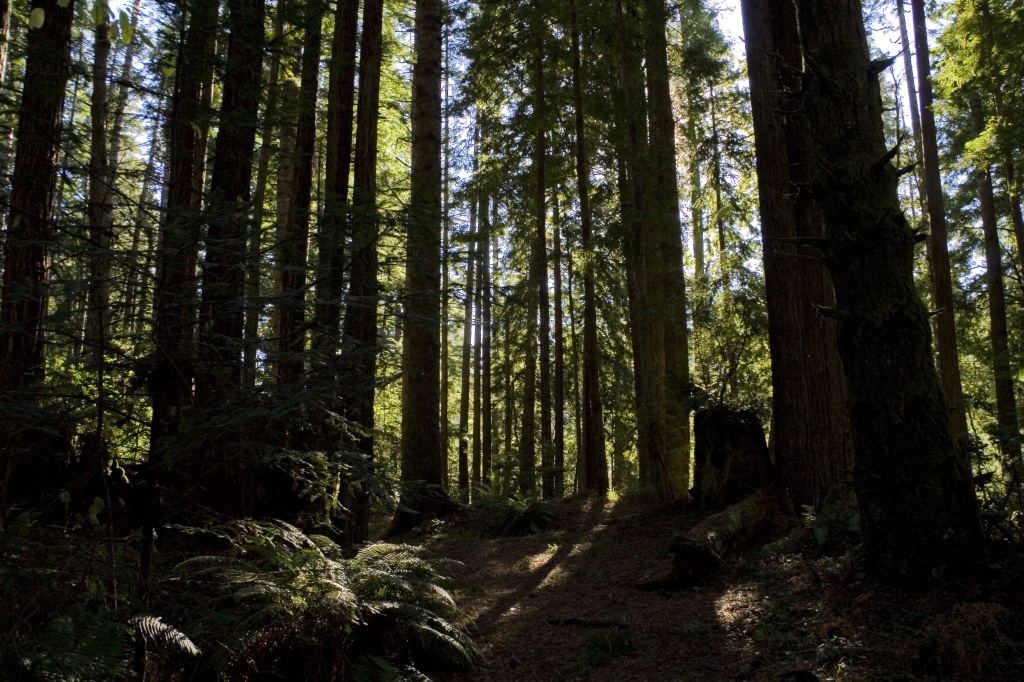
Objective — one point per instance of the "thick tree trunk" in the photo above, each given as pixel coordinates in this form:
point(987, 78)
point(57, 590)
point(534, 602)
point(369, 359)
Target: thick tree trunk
point(591, 459)
point(913, 486)
point(809, 428)
point(1008, 435)
point(672, 474)
point(338, 160)
point(223, 305)
point(30, 234)
point(359, 351)
point(696, 214)
point(942, 285)
point(422, 470)
point(5, 37)
point(642, 260)
point(294, 239)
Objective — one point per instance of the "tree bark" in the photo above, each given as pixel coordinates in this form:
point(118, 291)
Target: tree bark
point(672, 474)
point(478, 328)
point(422, 469)
point(915, 111)
point(294, 239)
point(467, 349)
point(913, 487)
point(559, 381)
point(942, 286)
point(359, 350)
point(809, 425)
point(30, 235)
point(485, 370)
point(223, 303)
point(594, 465)
point(338, 161)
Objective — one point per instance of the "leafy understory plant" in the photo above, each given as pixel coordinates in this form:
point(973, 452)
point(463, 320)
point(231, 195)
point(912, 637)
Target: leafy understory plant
point(303, 610)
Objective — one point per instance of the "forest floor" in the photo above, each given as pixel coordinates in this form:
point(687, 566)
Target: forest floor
point(561, 604)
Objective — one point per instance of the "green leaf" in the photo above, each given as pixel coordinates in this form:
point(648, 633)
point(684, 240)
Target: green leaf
point(127, 30)
point(36, 18)
point(63, 3)
point(168, 69)
point(94, 511)
point(146, 41)
point(65, 497)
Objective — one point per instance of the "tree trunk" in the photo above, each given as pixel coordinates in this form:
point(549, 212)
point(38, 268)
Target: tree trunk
point(646, 328)
point(254, 307)
point(5, 37)
point(673, 473)
point(294, 239)
point(422, 470)
point(445, 261)
point(223, 305)
point(915, 111)
point(478, 251)
point(942, 286)
point(592, 455)
point(331, 245)
point(30, 234)
point(696, 214)
point(809, 427)
point(1008, 433)
point(485, 370)
point(913, 486)
point(359, 353)
point(100, 209)
point(559, 387)
point(467, 350)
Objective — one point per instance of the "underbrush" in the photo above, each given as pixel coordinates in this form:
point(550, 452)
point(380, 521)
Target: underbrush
point(515, 514)
point(269, 602)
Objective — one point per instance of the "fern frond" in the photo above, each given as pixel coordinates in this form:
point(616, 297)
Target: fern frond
point(154, 629)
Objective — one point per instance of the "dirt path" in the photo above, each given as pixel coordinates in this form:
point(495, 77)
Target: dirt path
point(561, 605)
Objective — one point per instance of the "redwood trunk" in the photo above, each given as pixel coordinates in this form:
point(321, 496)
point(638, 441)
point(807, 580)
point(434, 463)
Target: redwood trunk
point(913, 487)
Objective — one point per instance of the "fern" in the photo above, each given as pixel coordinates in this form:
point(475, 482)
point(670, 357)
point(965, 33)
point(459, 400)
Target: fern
point(298, 602)
point(154, 629)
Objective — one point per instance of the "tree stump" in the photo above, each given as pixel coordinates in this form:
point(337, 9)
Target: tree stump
point(731, 459)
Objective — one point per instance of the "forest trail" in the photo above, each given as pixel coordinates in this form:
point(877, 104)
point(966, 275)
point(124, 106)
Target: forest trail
point(562, 605)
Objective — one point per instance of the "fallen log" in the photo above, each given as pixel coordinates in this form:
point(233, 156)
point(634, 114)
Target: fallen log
point(698, 552)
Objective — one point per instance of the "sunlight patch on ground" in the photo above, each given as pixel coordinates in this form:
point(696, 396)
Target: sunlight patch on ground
point(734, 606)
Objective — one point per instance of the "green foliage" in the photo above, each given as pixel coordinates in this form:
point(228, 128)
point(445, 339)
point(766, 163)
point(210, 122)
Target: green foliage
point(280, 600)
point(514, 514)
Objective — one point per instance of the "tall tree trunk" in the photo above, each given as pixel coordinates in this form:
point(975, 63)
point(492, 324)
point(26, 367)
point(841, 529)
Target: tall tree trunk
point(422, 471)
point(942, 285)
point(696, 215)
point(646, 328)
point(592, 455)
point(913, 487)
point(809, 425)
point(509, 411)
point(5, 37)
point(100, 212)
point(223, 302)
point(485, 370)
point(30, 234)
point(559, 383)
point(576, 401)
point(467, 348)
point(338, 160)
point(1008, 435)
point(915, 111)
point(254, 307)
point(359, 354)
point(478, 327)
point(673, 473)
point(293, 242)
point(445, 262)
